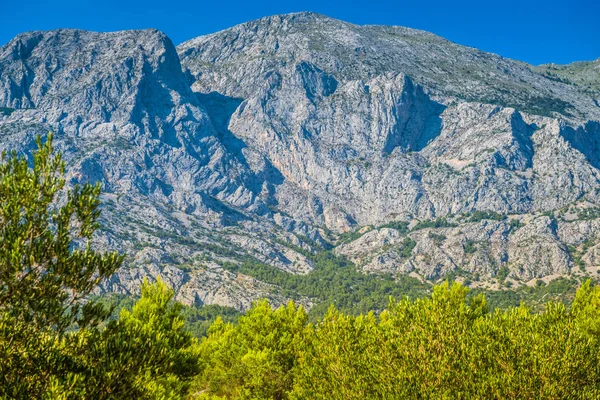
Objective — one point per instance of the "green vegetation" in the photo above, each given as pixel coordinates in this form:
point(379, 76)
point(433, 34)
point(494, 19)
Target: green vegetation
point(438, 239)
point(441, 222)
point(470, 246)
point(347, 237)
point(589, 213)
point(537, 105)
point(560, 290)
point(515, 224)
point(52, 344)
point(407, 247)
point(335, 280)
point(502, 273)
point(481, 215)
point(350, 236)
point(449, 345)
point(549, 214)
point(255, 359)
point(197, 318)
point(577, 253)
point(556, 78)
point(401, 226)
point(115, 302)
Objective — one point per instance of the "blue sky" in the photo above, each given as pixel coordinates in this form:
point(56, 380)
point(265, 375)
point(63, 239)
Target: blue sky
point(534, 31)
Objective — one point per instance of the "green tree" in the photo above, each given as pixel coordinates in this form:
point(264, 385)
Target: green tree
point(47, 266)
point(54, 341)
point(450, 347)
point(254, 359)
point(146, 353)
point(42, 278)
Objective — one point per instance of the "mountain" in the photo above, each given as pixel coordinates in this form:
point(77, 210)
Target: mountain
point(261, 145)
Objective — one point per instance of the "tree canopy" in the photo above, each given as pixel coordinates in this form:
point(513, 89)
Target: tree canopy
point(444, 346)
point(57, 342)
point(54, 341)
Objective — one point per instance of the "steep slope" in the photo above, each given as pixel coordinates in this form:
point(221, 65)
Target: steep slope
point(585, 74)
point(253, 148)
point(235, 60)
point(370, 124)
point(122, 92)
point(364, 123)
point(125, 116)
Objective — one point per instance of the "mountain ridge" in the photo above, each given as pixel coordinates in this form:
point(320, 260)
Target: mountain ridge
point(302, 27)
point(264, 143)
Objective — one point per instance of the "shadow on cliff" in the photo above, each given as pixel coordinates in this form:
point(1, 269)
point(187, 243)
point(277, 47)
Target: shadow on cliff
point(418, 120)
point(153, 105)
point(220, 108)
point(585, 139)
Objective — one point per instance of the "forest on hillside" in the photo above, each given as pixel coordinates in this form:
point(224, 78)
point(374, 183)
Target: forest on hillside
point(365, 339)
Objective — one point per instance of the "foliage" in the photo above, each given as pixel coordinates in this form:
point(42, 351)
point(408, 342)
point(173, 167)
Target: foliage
point(350, 236)
point(115, 302)
point(481, 215)
point(54, 343)
point(407, 247)
point(503, 273)
point(336, 281)
point(436, 223)
point(42, 278)
point(199, 319)
point(515, 224)
point(255, 358)
point(537, 105)
point(560, 290)
point(57, 342)
point(437, 238)
point(588, 214)
point(147, 352)
point(470, 246)
point(450, 345)
point(347, 237)
point(400, 226)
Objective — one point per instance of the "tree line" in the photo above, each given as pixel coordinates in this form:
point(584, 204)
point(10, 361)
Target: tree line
point(59, 342)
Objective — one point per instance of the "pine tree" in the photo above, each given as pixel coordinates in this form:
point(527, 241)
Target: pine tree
point(55, 342)
point(43, 274)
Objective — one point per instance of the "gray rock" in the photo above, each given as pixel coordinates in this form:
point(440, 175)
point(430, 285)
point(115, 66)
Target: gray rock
point(266, 140)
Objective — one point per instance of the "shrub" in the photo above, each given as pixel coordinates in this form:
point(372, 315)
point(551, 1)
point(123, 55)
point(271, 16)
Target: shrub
point(53, 344)
point(446, 346)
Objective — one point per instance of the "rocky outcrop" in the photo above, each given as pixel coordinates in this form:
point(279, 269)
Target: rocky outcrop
point(208, 284)
point(532, 251)
point(369, 122)
point(237, 61)
point(264, 142)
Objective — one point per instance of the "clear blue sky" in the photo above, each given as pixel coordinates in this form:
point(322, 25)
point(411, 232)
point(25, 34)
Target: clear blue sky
point(534, 31)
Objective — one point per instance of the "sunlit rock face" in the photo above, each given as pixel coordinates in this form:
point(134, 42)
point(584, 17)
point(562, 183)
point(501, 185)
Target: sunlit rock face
point(278, 134)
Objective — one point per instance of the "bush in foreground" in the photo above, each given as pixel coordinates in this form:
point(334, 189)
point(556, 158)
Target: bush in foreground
point(445, 346)
point(54, 343)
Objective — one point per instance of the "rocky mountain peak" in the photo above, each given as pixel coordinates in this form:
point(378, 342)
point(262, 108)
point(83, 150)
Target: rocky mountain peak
point(269, 140)
point(353, 52)
point(96, 72)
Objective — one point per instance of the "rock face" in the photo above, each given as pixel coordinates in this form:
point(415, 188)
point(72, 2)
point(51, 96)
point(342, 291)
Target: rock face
point(207, 285)
point(532, 251)
point(121, 103)
point(261, 141)
point(367, 121)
